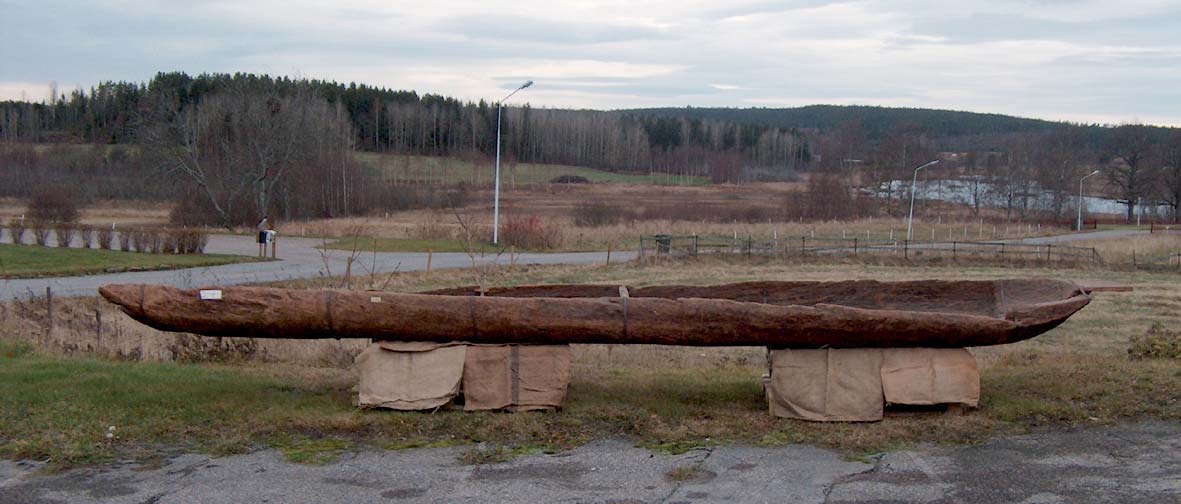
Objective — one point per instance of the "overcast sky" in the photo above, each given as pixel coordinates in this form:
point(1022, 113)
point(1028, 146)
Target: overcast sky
point(1087, 61)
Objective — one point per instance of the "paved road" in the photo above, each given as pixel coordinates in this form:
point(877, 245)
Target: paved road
point(299, 258)
point(1127, 463)
point(1092, 235)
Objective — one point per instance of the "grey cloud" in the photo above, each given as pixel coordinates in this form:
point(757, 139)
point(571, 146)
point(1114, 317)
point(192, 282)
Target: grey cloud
point(988, 27)
point(530, 29)
point(766, 7)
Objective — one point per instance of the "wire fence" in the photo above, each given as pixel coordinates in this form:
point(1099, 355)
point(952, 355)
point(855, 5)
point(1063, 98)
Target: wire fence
point(1164, 229)
point(687, 246)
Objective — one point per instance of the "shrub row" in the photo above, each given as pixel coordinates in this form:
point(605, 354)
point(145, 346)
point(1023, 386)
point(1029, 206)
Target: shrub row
point(144, 240)
point(531, 232)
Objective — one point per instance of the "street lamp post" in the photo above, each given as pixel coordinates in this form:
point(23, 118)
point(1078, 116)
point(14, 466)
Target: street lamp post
point(1079, 228)
point(913, 183)
point(496, 197)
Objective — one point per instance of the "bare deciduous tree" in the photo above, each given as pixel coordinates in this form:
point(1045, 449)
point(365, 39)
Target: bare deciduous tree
point(1171, 176)
point(1130, 148)
point(239, 148)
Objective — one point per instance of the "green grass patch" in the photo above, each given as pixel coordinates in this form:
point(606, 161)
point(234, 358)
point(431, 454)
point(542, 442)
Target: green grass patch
point(498, 454)
point(27, 261)
point(61, 409)
point(305, 450)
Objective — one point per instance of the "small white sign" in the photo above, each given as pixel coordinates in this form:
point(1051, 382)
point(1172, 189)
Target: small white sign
point(374, 299)
point(208, 295)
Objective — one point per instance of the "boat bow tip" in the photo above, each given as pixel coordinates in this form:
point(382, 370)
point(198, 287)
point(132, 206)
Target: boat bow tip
point(125, 295)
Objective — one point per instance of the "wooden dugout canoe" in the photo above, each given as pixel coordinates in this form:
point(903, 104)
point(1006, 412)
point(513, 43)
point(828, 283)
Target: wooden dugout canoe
point(850, 314)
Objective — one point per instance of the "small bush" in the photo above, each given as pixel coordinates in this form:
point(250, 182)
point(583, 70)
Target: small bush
point(65, 233)
point(531, 233)
point(139, 240)
point(104, 236)
point(171, 241)
point(16, 231)
point(195, 241)
point(41, 234)
point(126, 239)
point(191, 241)
point(86, 233)
point(155, 238)
point(1157, 343)
point(192, 210)
point(53, 205)
point(569, 179)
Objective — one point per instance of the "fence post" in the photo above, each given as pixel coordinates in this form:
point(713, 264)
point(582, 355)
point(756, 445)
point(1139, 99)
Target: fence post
point(906, 249)
point(695, 245)
point(48, 314)
point(1002, 250)
point(750, 245)
point(953, 250)
point(98, 330)
point(854, 246)
point(1048, 251)
point(641, 248)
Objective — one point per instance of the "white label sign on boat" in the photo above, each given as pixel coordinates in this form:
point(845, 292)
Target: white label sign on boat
point(211, 295)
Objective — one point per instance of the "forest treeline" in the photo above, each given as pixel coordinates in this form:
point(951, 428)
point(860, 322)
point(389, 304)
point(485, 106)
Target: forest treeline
point(230, 148)
point(404, 122)
point(951, 129)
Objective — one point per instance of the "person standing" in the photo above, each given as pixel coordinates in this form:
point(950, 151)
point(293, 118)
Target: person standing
point(263, 225)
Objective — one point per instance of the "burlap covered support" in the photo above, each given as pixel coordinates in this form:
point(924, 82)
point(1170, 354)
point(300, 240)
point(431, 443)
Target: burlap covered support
point(409, 375)
point(515, 377)
point(924, 376)
point(423, 376)
point(853, 385)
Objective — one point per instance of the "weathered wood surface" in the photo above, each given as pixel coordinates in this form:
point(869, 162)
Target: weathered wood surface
point(776, 314)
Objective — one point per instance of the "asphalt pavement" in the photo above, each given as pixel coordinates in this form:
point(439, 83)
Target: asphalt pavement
point(1126, 463)
point(302, 258)
point(298, 258)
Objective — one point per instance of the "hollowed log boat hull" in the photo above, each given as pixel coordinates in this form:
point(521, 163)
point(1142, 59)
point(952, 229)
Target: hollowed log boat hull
point(852, 314)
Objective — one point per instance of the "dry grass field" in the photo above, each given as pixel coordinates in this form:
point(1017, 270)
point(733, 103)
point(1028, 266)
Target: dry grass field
point(121, 213)
point(753, 210)
point(238, 394)
point(1146, 249)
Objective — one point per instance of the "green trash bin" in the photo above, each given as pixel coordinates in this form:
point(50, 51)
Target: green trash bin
point(663, 243)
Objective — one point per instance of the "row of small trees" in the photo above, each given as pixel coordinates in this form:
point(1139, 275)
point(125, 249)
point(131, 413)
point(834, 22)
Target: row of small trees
point(143, 240)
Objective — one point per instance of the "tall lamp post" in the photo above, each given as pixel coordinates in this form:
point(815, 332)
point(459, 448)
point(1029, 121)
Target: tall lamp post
point(496, 197)
point(1079, 228)
point(913, 183)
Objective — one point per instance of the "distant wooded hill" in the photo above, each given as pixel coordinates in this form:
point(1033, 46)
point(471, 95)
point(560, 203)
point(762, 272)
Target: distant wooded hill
point(875, 122)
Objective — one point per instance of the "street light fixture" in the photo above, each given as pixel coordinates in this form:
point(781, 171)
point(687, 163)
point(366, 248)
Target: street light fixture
point(1079, 228)
point(913, 182)
point(496, 197)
